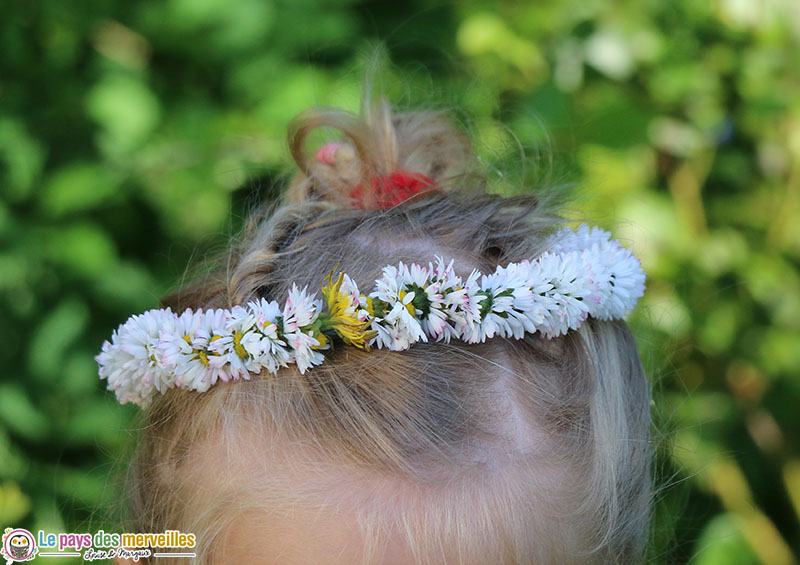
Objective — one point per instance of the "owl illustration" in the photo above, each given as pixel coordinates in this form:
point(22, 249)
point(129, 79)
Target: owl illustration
point(19, 546)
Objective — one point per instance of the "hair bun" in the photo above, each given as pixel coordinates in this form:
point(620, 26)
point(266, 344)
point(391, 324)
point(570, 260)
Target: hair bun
point(398, 156)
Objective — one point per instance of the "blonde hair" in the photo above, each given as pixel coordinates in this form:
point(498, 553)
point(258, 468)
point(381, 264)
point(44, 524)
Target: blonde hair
point(530, 451)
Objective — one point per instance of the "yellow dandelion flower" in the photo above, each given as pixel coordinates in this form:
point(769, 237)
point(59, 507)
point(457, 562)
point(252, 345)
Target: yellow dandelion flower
point(343, 315)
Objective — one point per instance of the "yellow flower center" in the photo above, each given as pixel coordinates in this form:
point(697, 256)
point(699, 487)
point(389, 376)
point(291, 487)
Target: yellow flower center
point(410, 305)
point(322, 339)
point(237, 344)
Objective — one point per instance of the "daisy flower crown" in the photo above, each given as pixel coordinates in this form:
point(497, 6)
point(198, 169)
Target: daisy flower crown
point(584, 273)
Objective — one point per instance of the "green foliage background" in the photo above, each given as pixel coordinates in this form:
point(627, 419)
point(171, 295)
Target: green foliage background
point(134, 135)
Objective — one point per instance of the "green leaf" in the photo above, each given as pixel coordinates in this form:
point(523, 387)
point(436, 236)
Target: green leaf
point(14, 504)
point(78, 187)
point(59, 329)
point(20, 415)
point(127, 110)
point(84, 248)
point(22, 157)
point(13, 462)
point(96, 421)
point(722, 543)
point(129, 285)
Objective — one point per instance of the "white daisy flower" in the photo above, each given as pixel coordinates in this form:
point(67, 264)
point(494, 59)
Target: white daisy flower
point(131, 362)
point(387, 288)
point(301, 310)
point(413, 274)
point(302, 350)
point(445, 297)
point(268, 349)
point(565, 239)
point(398, 330)
point(185, 348)
point(422, 288)
point(251, 341)
point(572, 285)
point(433, 321)
point(618, 277)
point(468, 316)
point(350, 288)
point(383, 337)
point(518, 306)
point(360, 304)
point(622, 282)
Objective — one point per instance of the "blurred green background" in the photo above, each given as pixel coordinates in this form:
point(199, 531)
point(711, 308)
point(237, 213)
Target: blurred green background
point(134, 136)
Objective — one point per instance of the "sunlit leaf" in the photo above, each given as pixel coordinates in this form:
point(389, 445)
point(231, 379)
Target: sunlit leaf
point(22, 157)
point(56, 332)
point(127, 110)
point(19, 414)
point(78, 187)
point(83, 248)
point(722, 543)
point(14, 504)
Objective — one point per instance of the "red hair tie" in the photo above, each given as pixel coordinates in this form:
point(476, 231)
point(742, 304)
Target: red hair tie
point(393, 189)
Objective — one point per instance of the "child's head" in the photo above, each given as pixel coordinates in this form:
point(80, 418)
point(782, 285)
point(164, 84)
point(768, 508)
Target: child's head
point(509, 451)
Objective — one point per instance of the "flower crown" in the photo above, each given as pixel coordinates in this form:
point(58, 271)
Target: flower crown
point(584, 273)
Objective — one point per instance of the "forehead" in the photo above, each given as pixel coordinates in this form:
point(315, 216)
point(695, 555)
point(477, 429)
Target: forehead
point(292, 511)
point(251, 498)
point(304, 536)
point(286, 505)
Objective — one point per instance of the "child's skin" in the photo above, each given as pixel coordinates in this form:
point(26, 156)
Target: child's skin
point(322, 529)
point(317, 518)
point(307, 536)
